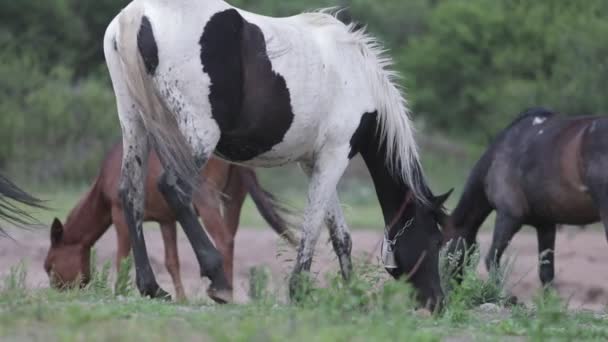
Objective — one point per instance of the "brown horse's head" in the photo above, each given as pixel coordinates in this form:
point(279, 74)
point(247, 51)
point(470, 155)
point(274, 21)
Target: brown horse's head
point(67, 264)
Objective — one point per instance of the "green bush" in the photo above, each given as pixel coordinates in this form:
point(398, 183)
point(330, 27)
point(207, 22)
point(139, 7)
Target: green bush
point(483, 61)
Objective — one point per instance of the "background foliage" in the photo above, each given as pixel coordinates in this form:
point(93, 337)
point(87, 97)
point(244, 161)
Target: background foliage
point(469, 66)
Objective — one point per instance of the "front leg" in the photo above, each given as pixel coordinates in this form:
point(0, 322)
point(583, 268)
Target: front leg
point(325, 172)
point(505, 228)
point(340, 235)
point(546, 251)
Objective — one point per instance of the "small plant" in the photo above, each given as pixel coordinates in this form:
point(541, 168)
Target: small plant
point(100, 279)
point(124, 281)
point(551, 314)
point(259, 278)
point(15, 281)
point(463, 287)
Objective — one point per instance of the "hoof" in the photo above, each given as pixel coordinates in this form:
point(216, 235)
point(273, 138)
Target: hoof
point(424, 313)
point(220, 296)
point(156, 293)
point(300, 287)
point(511, 300)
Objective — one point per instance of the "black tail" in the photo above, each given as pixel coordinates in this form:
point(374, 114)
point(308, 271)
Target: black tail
point(10, 197)
point(268, 206)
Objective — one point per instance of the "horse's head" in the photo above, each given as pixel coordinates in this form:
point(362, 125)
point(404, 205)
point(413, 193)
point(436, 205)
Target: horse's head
point(67, 264)
point(416, 250)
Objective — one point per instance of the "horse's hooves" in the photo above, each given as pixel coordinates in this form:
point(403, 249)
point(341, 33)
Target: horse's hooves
point(512, 300)
point(220, 296)
point(156, 293)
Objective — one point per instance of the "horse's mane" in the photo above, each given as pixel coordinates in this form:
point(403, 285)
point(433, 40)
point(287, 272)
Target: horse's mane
point(394, 125)
point(532, 112)
point(10, 198)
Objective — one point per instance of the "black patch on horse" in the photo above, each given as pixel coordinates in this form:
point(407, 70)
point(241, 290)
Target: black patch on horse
point(249, 101)
point(147, 45)
point(357, 141)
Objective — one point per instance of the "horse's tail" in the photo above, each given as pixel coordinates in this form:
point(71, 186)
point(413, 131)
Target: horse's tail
point(135, 39)
point(396, 129)
point(268, 206)
point(10, 196)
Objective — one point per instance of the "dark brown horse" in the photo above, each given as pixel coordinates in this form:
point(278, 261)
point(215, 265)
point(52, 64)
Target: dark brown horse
point(225, 187)
point(542, 170)
point(10, 196)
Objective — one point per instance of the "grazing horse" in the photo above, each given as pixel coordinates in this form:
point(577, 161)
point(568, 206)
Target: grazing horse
point(542, 170)
point(198, 77)
point(10, 195)
point(226, 186)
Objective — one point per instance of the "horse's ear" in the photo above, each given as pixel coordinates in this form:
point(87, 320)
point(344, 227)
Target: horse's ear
point(440, 200)
point(56, 232)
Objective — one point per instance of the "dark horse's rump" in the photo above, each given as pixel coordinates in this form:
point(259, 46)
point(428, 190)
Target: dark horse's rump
point(10, 196)
point(542, 170)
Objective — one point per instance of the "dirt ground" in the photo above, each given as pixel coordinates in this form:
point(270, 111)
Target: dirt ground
point(581, 261)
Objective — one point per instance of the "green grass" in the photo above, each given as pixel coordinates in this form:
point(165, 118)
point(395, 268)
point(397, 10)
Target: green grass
point(364, 310)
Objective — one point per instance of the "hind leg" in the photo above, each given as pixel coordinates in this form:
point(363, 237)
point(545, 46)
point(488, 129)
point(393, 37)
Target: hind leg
point(133, 171)
point(546, 251)
point(325, 173)
point(505, 228)
point(169, 233)
point(202, 134)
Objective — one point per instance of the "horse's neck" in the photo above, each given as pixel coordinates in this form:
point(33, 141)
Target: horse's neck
point(392, 192)
point(90, 219)
point(473, 207)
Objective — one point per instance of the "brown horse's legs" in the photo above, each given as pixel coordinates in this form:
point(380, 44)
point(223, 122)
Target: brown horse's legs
point(122, 236)
point(505, 228)
point(236, 192)
point(546, 251)
point(215, 226)
point(169, 233)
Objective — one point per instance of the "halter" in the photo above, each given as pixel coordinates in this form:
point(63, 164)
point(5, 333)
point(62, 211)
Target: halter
point(388, 251)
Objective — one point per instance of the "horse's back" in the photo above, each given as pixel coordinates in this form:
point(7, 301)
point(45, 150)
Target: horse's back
point(537, 170)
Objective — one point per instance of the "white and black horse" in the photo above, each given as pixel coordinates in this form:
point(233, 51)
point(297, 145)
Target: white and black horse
point(197, 77)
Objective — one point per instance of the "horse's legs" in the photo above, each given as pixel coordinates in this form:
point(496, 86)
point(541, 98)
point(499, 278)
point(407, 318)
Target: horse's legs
point(202, 134)
point(216, 227)
point(602, 203)
point(133, 173)
point(340, 235)
point(546, 251)
point(122, 236)
point(236, 193)
point(325, 173)
point(338, 230)
point(505, 228)
point(169, 233)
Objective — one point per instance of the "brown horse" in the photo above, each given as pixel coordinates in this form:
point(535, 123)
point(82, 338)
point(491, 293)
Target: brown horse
point(543, 170)
point(225, 186)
